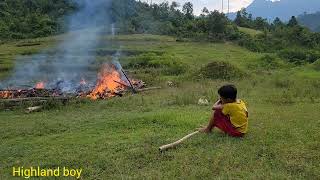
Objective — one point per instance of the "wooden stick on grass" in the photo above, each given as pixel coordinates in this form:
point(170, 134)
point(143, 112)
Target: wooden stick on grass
point(172, 145)
point(33, 109)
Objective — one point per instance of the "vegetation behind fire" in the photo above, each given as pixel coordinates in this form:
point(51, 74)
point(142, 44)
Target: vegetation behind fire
point(29, 19)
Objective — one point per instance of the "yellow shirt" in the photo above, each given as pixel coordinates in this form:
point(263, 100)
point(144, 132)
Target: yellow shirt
point(238, 114)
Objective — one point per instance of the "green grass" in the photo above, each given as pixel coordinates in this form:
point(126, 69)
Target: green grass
point(249, 31)
point(119, 138)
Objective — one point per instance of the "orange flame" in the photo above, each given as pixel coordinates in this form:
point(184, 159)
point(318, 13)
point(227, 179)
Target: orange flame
point(40, 85)
point(107, 82)
point(5, 94)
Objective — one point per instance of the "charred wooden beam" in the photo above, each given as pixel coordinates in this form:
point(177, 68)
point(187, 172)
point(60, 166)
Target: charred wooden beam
point(148, 89)
point(122, 84)
point(35, 99)
point(132, 88)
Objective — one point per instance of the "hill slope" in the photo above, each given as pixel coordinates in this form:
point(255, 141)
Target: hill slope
point(119, 137)
point(311, 21)
point(283, 9)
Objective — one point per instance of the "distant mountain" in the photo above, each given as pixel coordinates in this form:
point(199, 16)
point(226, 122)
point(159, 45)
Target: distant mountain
point(283, 9)
point(311, 21)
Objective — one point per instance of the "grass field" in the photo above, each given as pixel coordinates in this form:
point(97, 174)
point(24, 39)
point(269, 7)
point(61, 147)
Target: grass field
point(249, 31)
point(119, 138)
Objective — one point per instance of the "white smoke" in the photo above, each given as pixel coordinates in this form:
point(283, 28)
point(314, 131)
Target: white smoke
point(69, 62)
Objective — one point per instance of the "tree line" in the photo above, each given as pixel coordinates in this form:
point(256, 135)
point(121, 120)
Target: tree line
point(38, 18)
point(32, 18)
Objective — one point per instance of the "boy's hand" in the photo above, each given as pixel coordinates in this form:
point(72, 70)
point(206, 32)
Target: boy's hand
point(218, 102)
point(204, 129)
point(218, 105)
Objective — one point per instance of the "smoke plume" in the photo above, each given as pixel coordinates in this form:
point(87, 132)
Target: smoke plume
point(73, 58)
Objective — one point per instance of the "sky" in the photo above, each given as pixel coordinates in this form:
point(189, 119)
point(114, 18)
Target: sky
point(198, 5)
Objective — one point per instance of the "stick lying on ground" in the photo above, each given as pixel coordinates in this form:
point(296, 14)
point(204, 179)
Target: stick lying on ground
point(33, 109)
point(147, 89)
point(172, 145)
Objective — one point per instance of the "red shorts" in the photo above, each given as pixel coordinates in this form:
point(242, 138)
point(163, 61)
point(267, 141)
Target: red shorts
point(222, 122)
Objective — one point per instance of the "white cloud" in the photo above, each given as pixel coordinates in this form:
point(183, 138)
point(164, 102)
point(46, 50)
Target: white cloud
point(235, 5)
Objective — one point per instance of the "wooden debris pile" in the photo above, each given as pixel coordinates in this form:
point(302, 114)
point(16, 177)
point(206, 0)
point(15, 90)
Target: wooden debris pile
point(28, 93)
point(112, 81)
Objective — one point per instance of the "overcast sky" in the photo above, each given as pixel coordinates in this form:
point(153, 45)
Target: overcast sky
point(235, 5)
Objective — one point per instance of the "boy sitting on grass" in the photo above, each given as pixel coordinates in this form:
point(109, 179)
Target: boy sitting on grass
point(230, 114)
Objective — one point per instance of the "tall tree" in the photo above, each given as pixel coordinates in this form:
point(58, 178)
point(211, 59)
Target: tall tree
point(238, 19)
point(217, 24)
point(205, 11)
point(277, 22)
point(174, 5)
point(187, 9)
point(293, 22)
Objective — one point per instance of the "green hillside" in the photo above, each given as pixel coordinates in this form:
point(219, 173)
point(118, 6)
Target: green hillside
point(249, 31)
point(111, 142)
point(275, 66)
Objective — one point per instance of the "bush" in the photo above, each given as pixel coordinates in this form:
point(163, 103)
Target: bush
point(313, 56)
point(248, 42)
point(270, 62)
point(299, 56)
point(141, 61)
point(293, 55)
point(233, 33)
point(221, 70)
point(316, 65)
point(259, 43)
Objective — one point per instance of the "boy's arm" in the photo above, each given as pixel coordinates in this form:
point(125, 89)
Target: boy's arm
point(207, 129)
point(218, 105)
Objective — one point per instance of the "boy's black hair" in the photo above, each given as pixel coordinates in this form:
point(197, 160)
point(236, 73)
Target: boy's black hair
point(228, 92)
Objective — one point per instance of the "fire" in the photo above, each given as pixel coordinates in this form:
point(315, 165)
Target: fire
point(109, 82)
point(40, 85)
point(5, 94)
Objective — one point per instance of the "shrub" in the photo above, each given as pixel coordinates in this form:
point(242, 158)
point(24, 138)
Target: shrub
point(141, 61)
point(174, 68)
point(221, 70)
point(248, 42)
point(313, 56)
point(270, 62)
point(259, 43)
point(316, 65)
point(293, 55)
point(299, 56)
point(233, 33)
